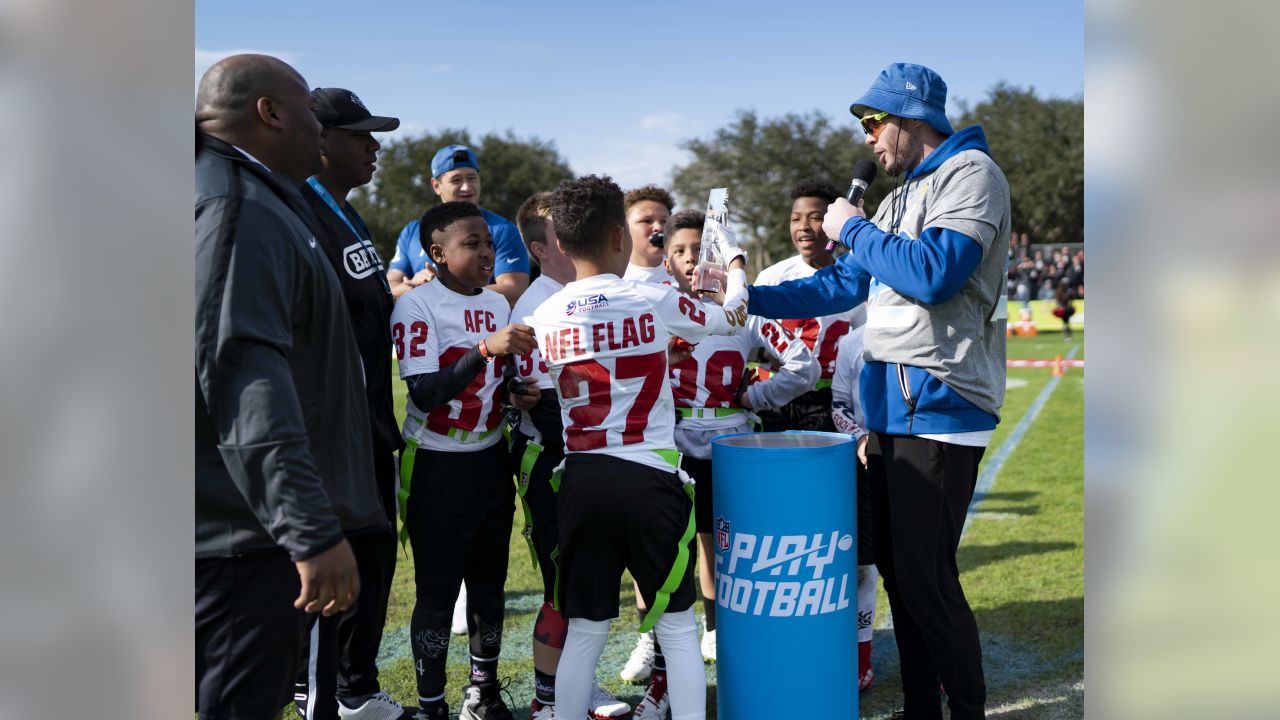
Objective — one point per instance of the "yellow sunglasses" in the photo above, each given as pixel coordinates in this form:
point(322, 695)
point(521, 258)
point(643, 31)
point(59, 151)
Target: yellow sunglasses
point(871, 123)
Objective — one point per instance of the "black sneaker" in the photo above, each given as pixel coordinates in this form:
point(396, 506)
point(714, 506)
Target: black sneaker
point(483, 702)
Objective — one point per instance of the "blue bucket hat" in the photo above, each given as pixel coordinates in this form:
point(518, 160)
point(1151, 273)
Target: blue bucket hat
point(452, 157)
point(909, 91)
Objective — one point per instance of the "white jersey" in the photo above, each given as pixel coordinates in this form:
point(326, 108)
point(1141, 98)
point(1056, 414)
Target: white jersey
point(821, 335)
point(657, 274)
point(846, 405)
point(531, 364)
point(604, 340)
point(705, 385)
point(433, 327)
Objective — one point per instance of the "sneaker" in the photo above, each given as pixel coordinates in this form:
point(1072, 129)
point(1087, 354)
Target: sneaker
point(378, 706)
point(483, 703)
point(655, 705)
point(865, 674)
point(605, 706)
point(459, 625)
point(708, 645)
point(538, 711)
point(438, 712)
point(640, 665)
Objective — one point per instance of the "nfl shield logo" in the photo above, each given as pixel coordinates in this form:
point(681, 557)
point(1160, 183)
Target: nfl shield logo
point(722, 533)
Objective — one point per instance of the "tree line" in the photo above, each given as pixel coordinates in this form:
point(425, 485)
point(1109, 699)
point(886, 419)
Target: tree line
point(1039, 143)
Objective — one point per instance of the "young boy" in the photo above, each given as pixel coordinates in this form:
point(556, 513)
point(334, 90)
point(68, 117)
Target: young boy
point(537, 447)
point(648, 208)
point(455, 469)
point(846, 413)
point(712, 398)
point(812, 410)
point(621, 502)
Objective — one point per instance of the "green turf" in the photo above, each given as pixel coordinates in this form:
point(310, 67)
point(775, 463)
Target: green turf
point(1022, 567)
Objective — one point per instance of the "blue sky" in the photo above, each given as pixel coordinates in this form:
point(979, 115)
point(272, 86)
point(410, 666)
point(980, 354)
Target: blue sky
point(616, 86)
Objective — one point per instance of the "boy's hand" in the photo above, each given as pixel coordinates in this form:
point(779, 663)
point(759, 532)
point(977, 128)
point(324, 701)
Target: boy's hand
point(514, 339)
point(529, 397)
point(862, 449)
point(425, 275)
point(678, 350)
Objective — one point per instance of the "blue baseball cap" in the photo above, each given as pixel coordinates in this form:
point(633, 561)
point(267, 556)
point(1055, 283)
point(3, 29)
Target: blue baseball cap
point(909, 91)
point(452, 157)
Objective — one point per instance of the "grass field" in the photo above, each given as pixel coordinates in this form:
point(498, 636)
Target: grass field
point(1022, 565)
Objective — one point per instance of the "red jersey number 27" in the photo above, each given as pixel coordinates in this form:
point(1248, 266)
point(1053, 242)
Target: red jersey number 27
point(583, 432)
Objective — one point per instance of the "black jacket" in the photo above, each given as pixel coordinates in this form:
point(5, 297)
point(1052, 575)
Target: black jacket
point(283, 457)
point(369, 305)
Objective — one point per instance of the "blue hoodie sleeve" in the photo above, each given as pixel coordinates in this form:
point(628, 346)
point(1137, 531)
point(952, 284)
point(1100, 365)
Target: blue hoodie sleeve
point(931, 268)
point(831, 290)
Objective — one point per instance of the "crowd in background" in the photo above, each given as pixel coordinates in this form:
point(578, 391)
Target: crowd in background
point(1039, 271)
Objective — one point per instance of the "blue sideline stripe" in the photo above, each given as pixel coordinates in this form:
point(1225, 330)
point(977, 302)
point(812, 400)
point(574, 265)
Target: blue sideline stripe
point(988, 477)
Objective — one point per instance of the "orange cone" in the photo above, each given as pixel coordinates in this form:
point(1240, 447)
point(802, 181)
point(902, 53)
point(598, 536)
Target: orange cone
point(1057, 366)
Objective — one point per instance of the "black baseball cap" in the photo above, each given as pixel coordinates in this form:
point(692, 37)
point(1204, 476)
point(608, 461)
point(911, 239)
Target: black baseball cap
point(339, 108)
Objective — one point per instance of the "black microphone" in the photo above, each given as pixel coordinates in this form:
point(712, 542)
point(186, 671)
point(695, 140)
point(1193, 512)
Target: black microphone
point(658, 239)
point(863, 174)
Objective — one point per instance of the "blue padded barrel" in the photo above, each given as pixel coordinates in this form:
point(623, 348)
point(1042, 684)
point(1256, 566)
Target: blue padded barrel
point(785, 514)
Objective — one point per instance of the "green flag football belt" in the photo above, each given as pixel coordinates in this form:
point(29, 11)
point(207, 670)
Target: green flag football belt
point(406, 469)
point(701, 413)
point(527, 460)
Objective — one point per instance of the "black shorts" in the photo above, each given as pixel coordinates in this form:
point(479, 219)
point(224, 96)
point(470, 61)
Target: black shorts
point(542, 506)
point(700, 471)
point(614, 515)
point(459, 520)
point(248, 635)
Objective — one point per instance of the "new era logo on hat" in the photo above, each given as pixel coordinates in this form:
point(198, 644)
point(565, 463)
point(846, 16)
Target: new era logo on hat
point(339, 108)
point(910, 86)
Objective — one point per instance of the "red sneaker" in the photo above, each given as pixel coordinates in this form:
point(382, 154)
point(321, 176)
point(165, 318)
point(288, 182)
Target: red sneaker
point(865, 675)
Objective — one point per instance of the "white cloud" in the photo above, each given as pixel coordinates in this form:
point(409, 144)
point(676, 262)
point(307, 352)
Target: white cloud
point(206, 58)
point(670, 123)
point(631, 164)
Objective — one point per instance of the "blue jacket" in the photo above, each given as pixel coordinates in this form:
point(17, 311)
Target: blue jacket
point(897, 399)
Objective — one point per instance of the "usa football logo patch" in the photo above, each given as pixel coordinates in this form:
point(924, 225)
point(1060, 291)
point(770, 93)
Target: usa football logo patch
point(585, 303)
point(722, 534)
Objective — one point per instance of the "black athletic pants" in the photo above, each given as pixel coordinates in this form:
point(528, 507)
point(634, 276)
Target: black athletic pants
point(920, 492)
point(460, 509)
point(247, 634)
point(340, 652)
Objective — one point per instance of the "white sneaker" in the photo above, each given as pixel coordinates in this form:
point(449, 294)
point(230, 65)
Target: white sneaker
point(708, 644)
point(378, 706)
point(640, 664)
point(460, 613)
point(604, 706)
point(543, 712)
point(656, 704)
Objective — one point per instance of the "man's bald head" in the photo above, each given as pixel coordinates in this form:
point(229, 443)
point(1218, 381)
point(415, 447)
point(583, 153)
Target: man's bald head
point(229, 90)
point(261, 104)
